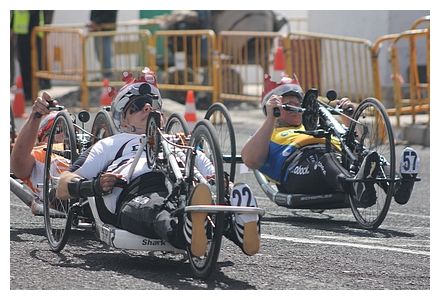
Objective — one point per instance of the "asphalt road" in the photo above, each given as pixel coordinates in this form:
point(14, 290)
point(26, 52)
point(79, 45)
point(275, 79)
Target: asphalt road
point(300, 250)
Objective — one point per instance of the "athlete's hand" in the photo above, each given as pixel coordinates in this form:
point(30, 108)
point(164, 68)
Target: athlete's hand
point(41, 104)
point(273, 102)
point(108, 180)
point(346, 105)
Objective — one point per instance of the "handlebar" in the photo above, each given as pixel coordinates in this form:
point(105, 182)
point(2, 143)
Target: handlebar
point(121, 183)
point(277, 113)
point(53, 106)
point(348, 110)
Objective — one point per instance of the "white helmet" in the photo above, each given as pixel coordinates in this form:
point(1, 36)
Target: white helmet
point(143, 87)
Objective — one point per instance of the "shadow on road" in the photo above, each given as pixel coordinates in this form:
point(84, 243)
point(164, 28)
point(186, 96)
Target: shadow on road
point(326, 222)
point(84, 251)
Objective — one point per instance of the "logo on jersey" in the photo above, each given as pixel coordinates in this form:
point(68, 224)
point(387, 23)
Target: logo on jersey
point(286, 152)
point(300, 170)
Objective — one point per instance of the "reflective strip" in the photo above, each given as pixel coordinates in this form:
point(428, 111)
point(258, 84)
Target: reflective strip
point(21, 21)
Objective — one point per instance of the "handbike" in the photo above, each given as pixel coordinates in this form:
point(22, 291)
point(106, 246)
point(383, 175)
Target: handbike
point(370, 130)
point(170, 151)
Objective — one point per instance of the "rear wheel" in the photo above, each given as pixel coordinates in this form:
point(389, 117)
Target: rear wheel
point(103, 126)
point(60, 154)
point(373, 132)
point(220, 118)
point(204, 141)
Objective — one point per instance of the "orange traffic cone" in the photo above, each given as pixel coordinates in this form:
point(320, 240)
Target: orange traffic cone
point(190, 109)
point(278, 64)
point(18, 105)
point(106, 98)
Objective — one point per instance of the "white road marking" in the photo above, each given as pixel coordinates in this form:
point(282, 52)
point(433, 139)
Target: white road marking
point(409, 215)
point(337, 211)
point(416, 243)
point(354, 245)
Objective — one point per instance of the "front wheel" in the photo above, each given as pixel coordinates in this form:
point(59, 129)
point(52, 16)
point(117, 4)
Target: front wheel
point(372, 131)
point(205, 165)
point(220, 118)
point(61, 152)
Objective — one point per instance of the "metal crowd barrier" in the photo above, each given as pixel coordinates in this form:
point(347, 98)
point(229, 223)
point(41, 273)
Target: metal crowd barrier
point(244, 57)
point(226, 66)
point(61, 57)
point(418, 92)
point(129, 51)
point(74, 54)
point(331, 62)
point(186, 63)
point(418, 101)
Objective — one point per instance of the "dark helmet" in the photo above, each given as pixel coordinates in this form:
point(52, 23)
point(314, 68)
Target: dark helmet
point(287, 86)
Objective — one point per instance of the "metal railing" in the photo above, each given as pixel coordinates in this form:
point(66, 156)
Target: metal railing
point(228, 66)
point(61, 57)
point(186, 62)
point(244, 57)
point(331, 62)
point(418, 100)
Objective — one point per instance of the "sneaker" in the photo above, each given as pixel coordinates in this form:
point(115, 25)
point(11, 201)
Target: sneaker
point(194, 228)
point(246, 226)
point(364, 191)
point(409, 168)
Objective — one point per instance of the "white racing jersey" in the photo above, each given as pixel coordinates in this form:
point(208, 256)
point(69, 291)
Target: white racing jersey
point(115, 154)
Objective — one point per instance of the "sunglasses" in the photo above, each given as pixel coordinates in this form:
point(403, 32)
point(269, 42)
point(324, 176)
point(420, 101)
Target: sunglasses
point(139, 104)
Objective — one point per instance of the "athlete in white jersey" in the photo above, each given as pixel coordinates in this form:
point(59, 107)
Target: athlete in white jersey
point(100, 170)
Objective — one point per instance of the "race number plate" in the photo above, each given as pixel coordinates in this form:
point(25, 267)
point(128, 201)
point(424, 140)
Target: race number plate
point(409, 161)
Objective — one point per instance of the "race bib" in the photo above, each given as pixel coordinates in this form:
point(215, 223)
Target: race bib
point(409, 161)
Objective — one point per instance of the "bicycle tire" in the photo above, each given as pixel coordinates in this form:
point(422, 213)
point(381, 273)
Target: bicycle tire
point(57, 214)
point(204, 139)
point(218, 114)
point(176, 124)
point(372, 115)
point(103, 126)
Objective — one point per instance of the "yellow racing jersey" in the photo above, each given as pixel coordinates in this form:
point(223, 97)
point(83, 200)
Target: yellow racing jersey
point(283, 143)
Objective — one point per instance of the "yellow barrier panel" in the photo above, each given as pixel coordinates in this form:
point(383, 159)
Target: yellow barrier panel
point(244, 58)
point(375, 63)
point(61, 55)
point(418, 92)
point(187, 62)
point(73, 54)
point(128, 51)
point(331, 62)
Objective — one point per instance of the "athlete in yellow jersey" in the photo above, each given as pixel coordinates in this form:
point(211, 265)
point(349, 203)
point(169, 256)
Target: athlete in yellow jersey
point(300, 163)
point(297, 162)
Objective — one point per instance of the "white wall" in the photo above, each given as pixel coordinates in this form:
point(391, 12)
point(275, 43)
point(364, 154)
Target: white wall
point(83, 16)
